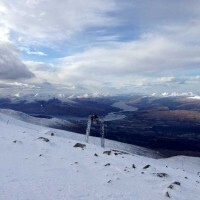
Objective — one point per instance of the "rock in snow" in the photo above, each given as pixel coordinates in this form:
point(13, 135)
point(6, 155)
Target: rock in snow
point(80, 145)
point(146, 167)
point(33, 169)
point(107, 152)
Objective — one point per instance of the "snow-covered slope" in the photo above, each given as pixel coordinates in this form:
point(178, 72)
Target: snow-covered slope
point(35, 164)
point(12, 115)
point(39, 121)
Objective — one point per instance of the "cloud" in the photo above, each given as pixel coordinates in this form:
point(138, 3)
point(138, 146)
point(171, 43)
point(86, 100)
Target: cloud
point(39, 53)
point(48, 21)
point(154, 60)
point(104, 44)
point(11, 67)
point(17, 85)
point(151, 56)
point(143, 15)
point(39, 66)
point(4, 33)
point(31, 52)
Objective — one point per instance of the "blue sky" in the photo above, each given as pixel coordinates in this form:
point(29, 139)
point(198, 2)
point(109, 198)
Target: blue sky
point(105, 46)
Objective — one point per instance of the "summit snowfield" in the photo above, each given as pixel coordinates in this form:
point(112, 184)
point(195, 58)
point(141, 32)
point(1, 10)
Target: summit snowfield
point(45, 164)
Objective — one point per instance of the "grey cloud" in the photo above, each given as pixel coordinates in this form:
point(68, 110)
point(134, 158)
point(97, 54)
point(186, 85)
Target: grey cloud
point(154, 55)
point(11, 67)
point(5, 86)
point(39, 66)
point(39, 53)
point(145, 14)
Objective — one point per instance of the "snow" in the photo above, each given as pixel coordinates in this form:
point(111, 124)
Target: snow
point(34, 169)
point(195, 97)
point(40, 121)
point(91, 95)
point(175, 94)
point(33, 97)
point(17, 95)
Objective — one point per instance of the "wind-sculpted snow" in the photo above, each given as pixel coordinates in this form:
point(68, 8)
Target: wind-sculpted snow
point(37, 163)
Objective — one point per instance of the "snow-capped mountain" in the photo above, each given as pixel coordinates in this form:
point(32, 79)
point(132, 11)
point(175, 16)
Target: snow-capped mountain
point(195, 97)
point(174, 94)
point(89, 95)
point(177, 94)
point(42, 163)
point(41, 96)
point(32, 97)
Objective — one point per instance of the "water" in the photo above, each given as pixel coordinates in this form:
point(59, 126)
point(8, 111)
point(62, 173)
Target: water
point(121, 114)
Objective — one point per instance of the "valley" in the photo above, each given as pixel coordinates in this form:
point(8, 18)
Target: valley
point(170, 125)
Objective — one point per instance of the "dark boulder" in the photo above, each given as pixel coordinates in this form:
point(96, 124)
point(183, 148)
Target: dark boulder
point(167, 194)
point(44, 139)
point(146, 167)
point(107, 152)
point(162, 175)
point(79, 145)
point(176, 183)
point(171, 186)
